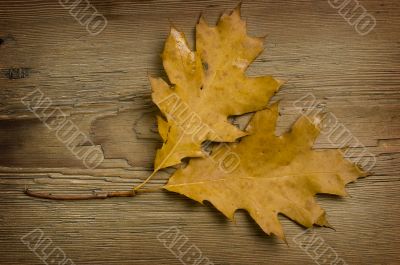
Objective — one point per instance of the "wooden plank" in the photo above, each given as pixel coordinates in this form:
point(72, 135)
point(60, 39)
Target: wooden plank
point(100, 83)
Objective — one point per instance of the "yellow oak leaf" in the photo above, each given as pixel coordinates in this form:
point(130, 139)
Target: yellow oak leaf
point(276, 175)
point(207, 86)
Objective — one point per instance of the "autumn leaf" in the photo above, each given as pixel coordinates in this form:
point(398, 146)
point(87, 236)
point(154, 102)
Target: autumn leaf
point(207, 86)
point(276, 175)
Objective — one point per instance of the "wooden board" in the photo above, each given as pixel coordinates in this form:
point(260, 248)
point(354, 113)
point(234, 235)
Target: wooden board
point(100, 83)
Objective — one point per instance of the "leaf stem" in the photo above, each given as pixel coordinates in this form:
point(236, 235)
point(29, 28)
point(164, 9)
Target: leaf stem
point(144, 182)
point(135, 189)
point(92, 196)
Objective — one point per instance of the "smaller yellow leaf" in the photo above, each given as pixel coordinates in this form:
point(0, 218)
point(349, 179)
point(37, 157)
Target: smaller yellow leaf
point(206, 87)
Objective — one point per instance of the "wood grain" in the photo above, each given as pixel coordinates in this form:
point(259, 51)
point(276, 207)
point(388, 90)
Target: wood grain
point(100, 83)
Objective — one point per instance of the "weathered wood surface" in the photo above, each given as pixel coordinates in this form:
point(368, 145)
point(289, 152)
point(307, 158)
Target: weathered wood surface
point(101, 83)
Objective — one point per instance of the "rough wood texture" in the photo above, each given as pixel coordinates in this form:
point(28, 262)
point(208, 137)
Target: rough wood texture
point(101, 83)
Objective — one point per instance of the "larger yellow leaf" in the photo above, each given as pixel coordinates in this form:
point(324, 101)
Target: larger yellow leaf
point(207, 86)
point(276, 174)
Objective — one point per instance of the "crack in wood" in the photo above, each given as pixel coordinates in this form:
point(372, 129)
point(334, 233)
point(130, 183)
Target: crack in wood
point(17, 73)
